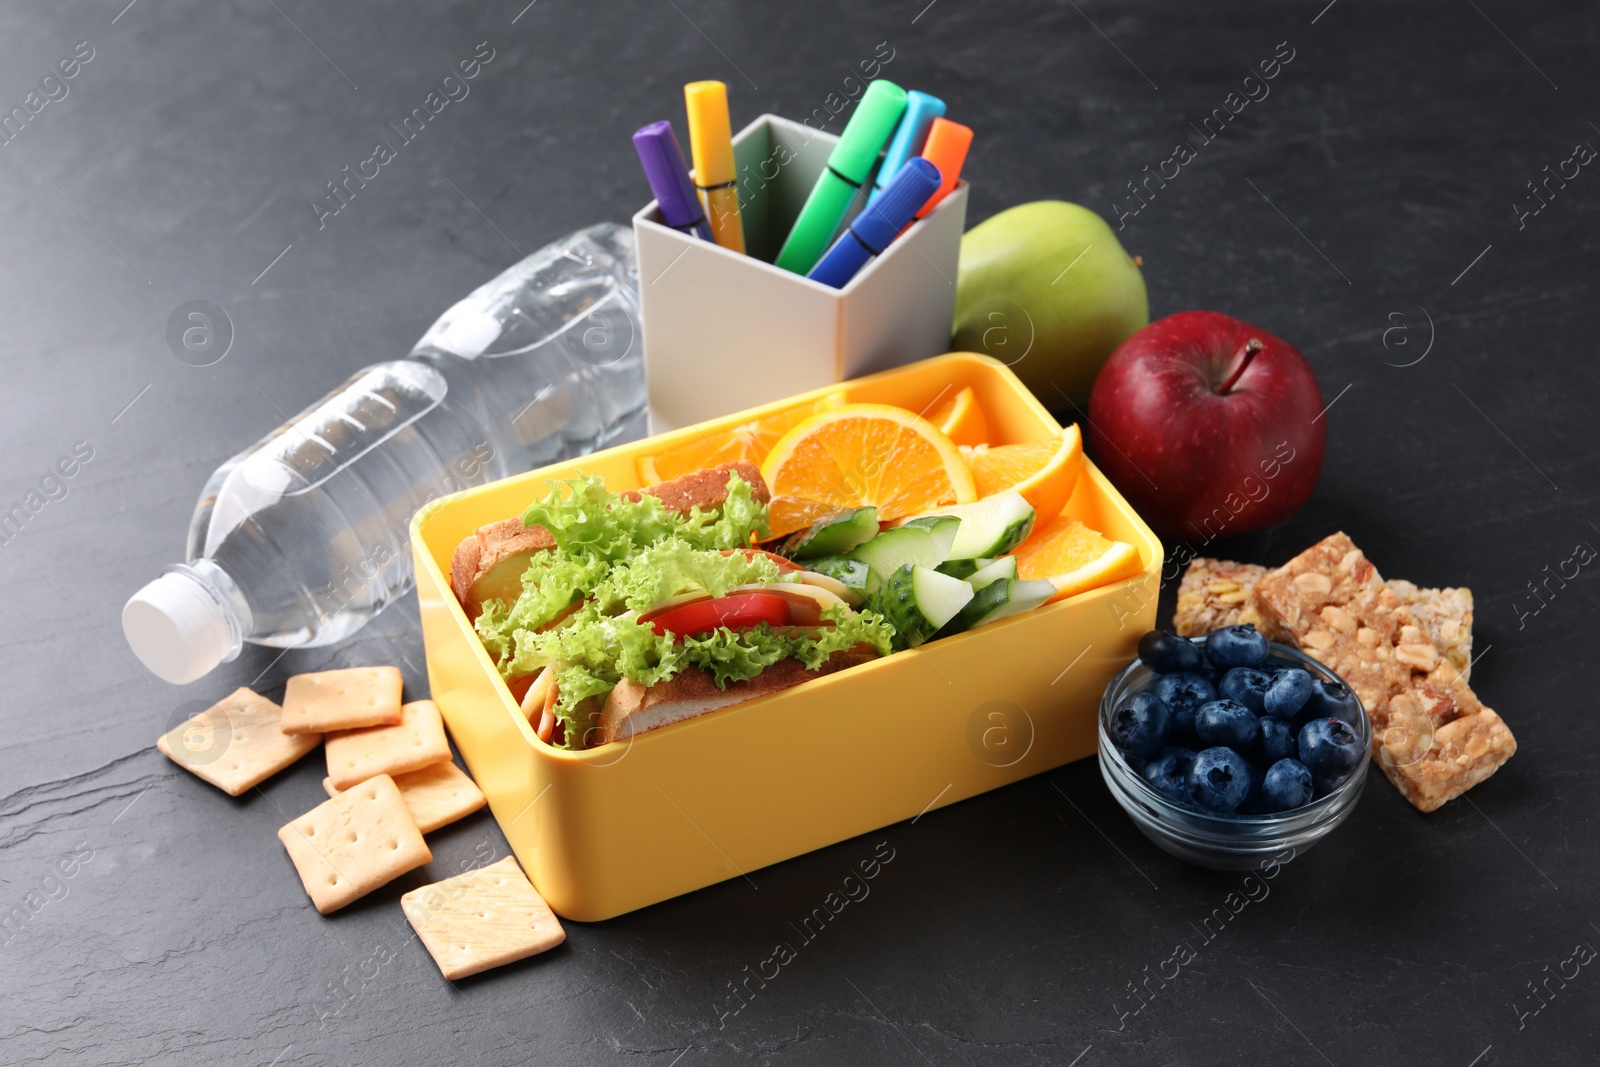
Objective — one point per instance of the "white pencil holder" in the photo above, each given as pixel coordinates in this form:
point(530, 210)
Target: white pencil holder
point(723, 331)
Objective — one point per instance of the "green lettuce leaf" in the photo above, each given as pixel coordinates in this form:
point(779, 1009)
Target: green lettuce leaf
point(494, 632)
point(596, 530)
point(674, 566)
point(576, 683)
point(737, 657)
point(849, 629)
point(589, 521)
point(550, 585)
point(731, 525)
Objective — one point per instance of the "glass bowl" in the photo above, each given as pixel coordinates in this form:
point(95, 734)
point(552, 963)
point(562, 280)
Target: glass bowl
point(1224, 842)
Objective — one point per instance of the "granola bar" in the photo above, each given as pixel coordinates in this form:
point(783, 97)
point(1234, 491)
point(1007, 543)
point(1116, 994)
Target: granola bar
point(1431, 736)
point(1216, 593)
point(1447, 616)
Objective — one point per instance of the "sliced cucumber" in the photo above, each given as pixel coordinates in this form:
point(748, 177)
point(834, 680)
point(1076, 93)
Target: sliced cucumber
point(1004, 567)
point(944, 529)
point(924, 542)
point(991, 527)
point(998, 600)
point(917, 601)
point(834, 535)
point(852, 574)
point(962, 568)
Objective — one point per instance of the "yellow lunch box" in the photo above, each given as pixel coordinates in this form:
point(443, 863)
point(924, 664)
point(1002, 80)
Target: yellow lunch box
point(608, 830)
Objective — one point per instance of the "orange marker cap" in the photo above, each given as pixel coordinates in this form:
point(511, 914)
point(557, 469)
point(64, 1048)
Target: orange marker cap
point(946, 148)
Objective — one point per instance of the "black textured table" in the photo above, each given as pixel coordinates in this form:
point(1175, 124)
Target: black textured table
point(1374, 208)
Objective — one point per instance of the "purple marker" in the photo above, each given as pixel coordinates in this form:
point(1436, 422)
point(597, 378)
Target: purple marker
point(668, 174)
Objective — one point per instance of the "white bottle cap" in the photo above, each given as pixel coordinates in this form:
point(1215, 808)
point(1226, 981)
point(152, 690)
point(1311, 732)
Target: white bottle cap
point(176, 628)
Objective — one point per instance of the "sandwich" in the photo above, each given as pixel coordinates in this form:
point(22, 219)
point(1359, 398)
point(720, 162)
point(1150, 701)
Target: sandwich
point(616, 613)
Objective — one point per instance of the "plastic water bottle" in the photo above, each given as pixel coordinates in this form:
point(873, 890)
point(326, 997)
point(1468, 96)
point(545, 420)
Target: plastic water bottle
point(301, 538)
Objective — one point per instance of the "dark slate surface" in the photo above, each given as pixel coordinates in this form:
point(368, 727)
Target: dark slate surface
point(1374, 188)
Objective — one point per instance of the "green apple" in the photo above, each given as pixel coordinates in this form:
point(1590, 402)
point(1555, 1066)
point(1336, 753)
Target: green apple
point(1047, 288)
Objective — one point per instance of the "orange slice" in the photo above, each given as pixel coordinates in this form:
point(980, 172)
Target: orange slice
point(961, 419)
point(1044, 472)
point(749, 441)
point(1075, 558)
point(854, 455)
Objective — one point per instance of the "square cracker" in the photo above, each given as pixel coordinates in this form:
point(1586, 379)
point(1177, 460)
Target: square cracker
point(417, 741)
point(235, 743)
point(436, 796)
point(342, 700)
point(346, 847)
point(482, 919)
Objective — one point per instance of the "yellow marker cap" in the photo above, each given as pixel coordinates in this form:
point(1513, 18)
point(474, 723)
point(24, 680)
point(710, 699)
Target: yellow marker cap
point(710, 137)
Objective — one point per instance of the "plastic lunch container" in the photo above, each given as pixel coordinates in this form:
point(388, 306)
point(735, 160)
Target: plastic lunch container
point(1223, 842)
point(612, 829)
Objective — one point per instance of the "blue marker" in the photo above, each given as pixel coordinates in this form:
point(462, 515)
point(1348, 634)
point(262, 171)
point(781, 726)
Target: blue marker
point(878, 224)
point(908, 139)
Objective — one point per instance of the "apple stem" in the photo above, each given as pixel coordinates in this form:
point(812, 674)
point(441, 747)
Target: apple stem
point(1251, 349)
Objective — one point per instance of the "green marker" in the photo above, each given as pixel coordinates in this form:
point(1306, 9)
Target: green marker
point(848, 166)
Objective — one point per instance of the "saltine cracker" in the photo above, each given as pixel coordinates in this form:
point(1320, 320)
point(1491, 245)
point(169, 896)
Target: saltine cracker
point(342, 699)
point(436, 796)
point(346, 847)
point(235, 743)
point(482, 919)
point(415, 742)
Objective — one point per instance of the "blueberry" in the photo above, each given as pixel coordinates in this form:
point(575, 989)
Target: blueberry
point(1287, 785)
point(1321, 787)
point(1330, 749)
point(1331, 699)
point(1223, 722)
point(1140, 725)
point(1236, 646)
point(1168, 773)
point(1182, 692)
point(1287, 694)
point(1165, 653)
point(1184, 689)
point(1247, 686)
point(1275, 743)
point(1253, 804)
point(1219, 779)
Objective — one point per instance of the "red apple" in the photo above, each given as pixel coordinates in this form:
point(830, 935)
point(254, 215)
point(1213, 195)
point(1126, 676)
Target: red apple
point(1209, 426)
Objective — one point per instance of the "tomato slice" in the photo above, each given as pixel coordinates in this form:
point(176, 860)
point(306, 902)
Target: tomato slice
point(739, 611)
point(805, 602)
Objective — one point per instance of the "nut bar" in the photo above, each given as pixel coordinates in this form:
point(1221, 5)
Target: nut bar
point(1215, 593)
point(1430, 735)
point(1447, 616)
